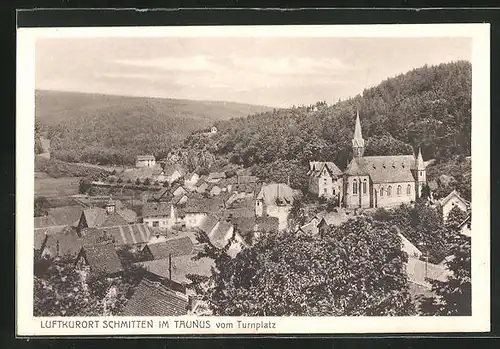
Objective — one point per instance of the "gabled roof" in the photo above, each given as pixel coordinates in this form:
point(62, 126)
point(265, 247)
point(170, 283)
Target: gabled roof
point(216, 176)
point(98, 217)
point(155, 299)
point(145, 157)
point(383, 169)
point(168, 171)
point(218, 234)
point(271, 192)
point(244, 225)
point(156, 209)
point(103, 258)
point(44, 221)
point(453, 194)
point(316, 168)
point(267, 224)
point(208, 223)
point(66, 242)
point(174, 247)
point(309, 229)
point(197, 204)
point(416, 271)
point(129, 234)
point(66, 215)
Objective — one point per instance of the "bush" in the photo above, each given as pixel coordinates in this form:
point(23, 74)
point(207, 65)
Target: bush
point(137, 181)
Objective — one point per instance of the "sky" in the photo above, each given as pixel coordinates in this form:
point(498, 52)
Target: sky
point(277, 72)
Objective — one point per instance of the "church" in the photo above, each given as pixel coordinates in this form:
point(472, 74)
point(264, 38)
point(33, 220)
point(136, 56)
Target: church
point(369, 181)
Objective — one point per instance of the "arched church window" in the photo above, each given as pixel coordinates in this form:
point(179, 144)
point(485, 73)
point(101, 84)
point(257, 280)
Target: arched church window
point(364, 187)
point(382, 191)
point(389, 191)
point(354, 187)
point(408, 189)
point(399, 190)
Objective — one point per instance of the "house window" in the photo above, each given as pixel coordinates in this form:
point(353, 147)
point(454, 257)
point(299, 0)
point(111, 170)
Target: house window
point(156, 224)
point(333, 191)
point(382, 191)
point(399, 190)
point(355, 187)
point(389, 191)
point(325, 180)
point(408, 189)
point(364, 187)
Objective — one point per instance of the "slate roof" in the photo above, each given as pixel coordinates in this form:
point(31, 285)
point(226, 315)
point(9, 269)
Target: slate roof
point(213, 176)
point(244, 225)
point(129, 234)
point(316, 168)
point(162, 194)
point(44, 221)
point(270, 192)
point(448, 197)
point(208, 223)
point(103, 258)
point(156, 209)
point(383, 169)
point(174, 247)
point(154, 299)
point(416, 268)
point(310, 229)
point(267, 224)
point(69, 243)
point(197, 204)
point(97, 217)
point(66, 215)
point(218, 234)
point(181, 266)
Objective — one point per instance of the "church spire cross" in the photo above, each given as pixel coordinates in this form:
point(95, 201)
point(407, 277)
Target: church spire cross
point(357, 129)
point(358, 143)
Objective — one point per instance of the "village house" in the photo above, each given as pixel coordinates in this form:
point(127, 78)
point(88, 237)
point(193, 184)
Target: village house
point(135, 235)
point(64, 242)
point(160, 214)
point(198, 207)
point(145, 161)
point(190, 180)
point(275, 200)
point(155, 298)
point(421, 272)
point(373, 181)
point(109, 216)
point(465, 226)
point(452, 200)
point(325, 179)
point(178, 190)
point(214, 177)
point(173, 173)
point(213, 129)
point(172, 247)
point(99, 258)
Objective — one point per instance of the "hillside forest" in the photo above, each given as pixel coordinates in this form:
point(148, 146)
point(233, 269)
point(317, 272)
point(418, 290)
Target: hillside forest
point(427, 108)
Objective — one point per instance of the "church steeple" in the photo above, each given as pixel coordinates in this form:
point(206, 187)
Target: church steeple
point(419, 161)
point(358, 143)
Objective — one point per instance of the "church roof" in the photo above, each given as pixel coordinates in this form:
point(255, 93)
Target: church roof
point(383, 169)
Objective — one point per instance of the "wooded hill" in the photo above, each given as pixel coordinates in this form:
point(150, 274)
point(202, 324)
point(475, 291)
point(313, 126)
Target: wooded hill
point(109, 129)
point(428, 107)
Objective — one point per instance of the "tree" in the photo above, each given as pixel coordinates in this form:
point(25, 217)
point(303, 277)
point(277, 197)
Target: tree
point(355, 269)
point(84, 186)
point(147, 181)
point(41, 206)
point(62, 291)
point(137, 181)
point(453, 296)
point(455, 217)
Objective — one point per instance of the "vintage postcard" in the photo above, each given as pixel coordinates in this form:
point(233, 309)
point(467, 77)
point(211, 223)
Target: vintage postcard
point(253, 180)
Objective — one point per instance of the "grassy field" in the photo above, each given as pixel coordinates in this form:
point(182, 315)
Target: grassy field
point(51, 187)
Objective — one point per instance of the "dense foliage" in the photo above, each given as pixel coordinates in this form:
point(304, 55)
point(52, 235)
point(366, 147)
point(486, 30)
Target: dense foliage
point(453, 296)
point(83, 127)
point(428, 107)
point(355, 269)
point(60, 289)
point(423, 226)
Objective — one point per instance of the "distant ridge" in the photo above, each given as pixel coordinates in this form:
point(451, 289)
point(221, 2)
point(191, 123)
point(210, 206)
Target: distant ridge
point(112, 129)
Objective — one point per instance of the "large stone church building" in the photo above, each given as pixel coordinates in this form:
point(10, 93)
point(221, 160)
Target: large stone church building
point(369, 181)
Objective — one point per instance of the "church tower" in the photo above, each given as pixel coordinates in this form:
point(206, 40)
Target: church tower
point(420, 173)
point(358, 143)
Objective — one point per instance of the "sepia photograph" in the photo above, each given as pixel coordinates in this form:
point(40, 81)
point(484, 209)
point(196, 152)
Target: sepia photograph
point(192, 174)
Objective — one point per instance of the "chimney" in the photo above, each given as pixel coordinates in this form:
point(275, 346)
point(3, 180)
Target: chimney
point(170, 266)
